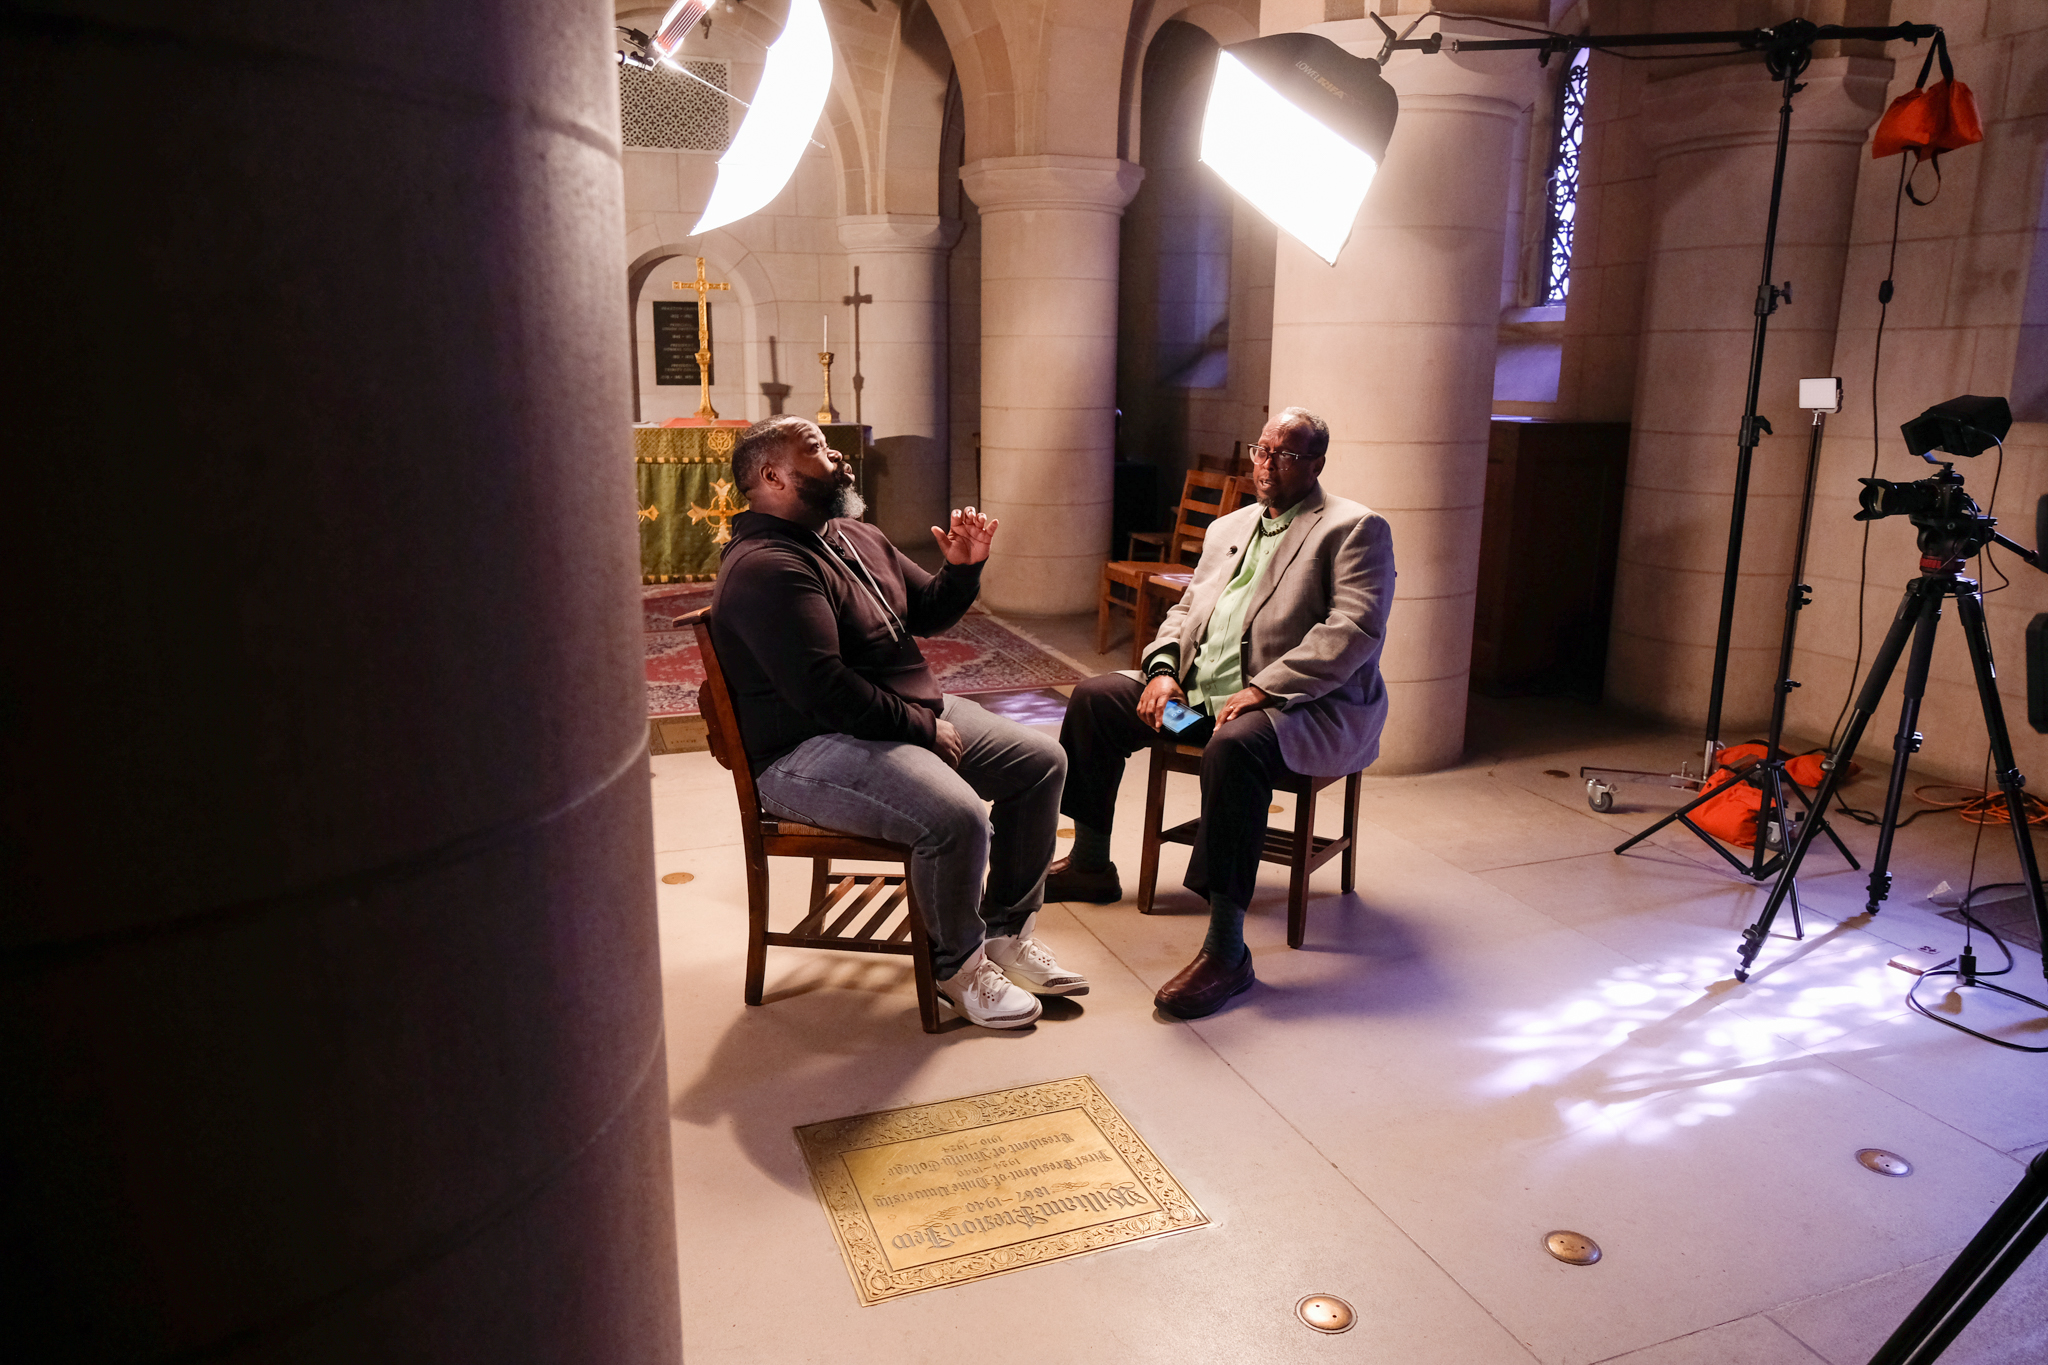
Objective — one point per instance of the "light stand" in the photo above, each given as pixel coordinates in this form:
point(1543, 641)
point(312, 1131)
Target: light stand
point(1787, 50)
point(1776, 821)
point(1976, 1274)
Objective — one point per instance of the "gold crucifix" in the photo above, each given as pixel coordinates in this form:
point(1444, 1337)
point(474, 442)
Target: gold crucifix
point(703, 287)
point(721, 511)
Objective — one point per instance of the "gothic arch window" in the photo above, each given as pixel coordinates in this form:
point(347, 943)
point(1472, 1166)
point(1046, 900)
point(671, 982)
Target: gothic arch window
point(1562, 189)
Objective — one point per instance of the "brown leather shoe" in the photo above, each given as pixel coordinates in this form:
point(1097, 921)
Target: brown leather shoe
point(1203, 986)
point(1066, 883)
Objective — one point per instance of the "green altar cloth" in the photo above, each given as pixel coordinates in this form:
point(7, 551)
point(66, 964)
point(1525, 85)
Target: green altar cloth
point(687, 499)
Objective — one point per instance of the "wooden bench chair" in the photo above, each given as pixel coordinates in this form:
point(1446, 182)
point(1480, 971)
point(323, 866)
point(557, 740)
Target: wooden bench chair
point(849, 911)
point(1301, 850)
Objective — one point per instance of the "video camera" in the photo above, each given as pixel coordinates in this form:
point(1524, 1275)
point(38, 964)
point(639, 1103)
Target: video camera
point(1951, 525)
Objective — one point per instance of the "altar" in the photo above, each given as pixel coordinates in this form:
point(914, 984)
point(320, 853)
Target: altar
point(686, 496)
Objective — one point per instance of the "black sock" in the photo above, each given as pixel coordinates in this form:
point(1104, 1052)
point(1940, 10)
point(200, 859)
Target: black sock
point(1091, 849)
point(1225, 942)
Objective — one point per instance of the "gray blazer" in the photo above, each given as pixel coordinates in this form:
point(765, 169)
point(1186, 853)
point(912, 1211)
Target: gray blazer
point(1313, 633)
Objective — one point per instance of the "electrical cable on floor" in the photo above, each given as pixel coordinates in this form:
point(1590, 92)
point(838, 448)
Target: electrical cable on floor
point(1964, 966)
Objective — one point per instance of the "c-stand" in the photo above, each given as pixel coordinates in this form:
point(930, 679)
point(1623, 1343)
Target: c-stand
point(1951, 530)
point(1776, 821)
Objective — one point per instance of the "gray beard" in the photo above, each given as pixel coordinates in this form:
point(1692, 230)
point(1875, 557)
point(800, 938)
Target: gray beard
point(832, 500)
point(846, 502)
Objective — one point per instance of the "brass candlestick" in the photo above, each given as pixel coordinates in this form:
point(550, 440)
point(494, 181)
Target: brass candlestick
point(825, 413)
point(704, 409)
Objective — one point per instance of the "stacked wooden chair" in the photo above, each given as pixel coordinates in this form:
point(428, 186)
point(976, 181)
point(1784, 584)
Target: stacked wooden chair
point(1127, 584)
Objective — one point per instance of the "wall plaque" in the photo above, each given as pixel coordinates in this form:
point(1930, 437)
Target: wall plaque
point(941, 1194)
point(675, 342)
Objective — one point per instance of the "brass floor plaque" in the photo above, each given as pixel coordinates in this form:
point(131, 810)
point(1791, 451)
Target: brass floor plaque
point(941, 1194)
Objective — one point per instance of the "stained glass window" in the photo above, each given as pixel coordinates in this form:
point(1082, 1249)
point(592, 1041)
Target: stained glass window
point(1563, 187)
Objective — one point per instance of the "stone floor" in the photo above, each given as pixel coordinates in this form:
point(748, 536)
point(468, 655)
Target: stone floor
point(1506, 1030)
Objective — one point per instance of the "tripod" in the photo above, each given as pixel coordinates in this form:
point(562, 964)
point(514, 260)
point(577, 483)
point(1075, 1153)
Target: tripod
point(1976, 1274)
point(1774, 817)
point(1950, 531)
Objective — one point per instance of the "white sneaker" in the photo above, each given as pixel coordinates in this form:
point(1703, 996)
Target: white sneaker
point(1029, 963)
point(980, 991)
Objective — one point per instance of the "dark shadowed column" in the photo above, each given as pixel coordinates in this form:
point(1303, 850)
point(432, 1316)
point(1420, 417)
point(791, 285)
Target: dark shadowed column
point(329, 999)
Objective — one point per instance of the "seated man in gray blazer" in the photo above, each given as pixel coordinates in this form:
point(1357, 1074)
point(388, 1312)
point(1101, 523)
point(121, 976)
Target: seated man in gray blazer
point(1276, 644)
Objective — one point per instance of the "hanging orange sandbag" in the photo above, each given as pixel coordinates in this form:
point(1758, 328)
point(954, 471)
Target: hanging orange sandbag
point(1930, 119)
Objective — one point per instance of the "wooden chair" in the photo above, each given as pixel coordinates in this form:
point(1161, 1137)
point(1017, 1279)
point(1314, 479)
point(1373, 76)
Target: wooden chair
point(848, 910)
point(1300, 849)
point(1124, 581)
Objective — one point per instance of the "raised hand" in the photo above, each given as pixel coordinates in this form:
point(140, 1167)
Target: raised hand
point(966, 539)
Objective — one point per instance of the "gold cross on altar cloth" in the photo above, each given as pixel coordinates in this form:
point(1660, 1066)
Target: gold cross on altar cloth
point(722, 510)
point(703, 288)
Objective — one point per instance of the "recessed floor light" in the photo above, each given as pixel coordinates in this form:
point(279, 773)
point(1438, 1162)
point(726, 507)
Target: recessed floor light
point(1326, 1313)
point(1883, 1162)
point(1573, 1248)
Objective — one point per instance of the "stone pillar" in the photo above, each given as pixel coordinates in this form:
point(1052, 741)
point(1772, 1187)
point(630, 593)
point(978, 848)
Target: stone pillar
point(902, 262)
point(329, 986)
point(1394, 347)
point(1048, 371)
point(1713, 135)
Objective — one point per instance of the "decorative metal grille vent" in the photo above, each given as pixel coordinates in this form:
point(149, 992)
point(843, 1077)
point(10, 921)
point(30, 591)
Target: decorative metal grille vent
point(1564, 182)
point(664, 109)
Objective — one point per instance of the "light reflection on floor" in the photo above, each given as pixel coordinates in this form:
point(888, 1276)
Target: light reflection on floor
point(1616, 1054)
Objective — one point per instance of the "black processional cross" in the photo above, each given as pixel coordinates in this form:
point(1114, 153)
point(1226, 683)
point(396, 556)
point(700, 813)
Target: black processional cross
point(854, 301)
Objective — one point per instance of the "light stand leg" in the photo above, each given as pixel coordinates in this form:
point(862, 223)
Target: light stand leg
point(1978, 1271)
point(1920, 594)
point(1970, 607)
point(1904, 745)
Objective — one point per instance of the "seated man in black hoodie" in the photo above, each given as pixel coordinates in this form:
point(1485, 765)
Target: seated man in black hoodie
point(814, 616)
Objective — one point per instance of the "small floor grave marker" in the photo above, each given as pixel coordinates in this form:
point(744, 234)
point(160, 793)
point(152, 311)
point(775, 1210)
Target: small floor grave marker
point(942, 1194)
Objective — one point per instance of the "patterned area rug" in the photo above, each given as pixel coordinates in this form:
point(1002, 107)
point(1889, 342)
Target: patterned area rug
point(982, 653)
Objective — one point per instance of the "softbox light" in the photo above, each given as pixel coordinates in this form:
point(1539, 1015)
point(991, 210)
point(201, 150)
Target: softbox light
point(1298, 126)
point(778, 127)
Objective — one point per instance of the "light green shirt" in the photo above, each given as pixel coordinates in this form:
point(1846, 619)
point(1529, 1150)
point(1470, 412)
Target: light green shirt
point(1218, 673)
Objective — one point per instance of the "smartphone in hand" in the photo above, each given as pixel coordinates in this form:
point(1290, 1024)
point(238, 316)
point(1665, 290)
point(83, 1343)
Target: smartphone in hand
point(1178, 716)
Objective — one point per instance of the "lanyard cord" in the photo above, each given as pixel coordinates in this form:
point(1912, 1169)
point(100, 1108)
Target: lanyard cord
point(867, 581)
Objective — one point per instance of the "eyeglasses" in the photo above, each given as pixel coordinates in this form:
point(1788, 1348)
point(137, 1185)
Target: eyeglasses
point(1268, 455)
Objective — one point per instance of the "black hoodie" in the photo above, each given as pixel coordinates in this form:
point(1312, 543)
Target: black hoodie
point(807, 648)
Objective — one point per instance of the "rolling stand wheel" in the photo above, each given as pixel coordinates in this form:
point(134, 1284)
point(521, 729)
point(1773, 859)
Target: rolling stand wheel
point(1599, 795)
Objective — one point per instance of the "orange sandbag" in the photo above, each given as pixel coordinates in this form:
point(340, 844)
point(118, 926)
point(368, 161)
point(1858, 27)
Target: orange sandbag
point(1731, 815)
point(1930, 119)
point(1806, 769)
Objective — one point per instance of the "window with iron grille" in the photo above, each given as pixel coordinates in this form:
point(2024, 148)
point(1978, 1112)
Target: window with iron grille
point(1562, 190)
point(667, 109)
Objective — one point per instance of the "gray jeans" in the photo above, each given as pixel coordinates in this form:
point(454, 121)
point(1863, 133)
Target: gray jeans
point(907, 794)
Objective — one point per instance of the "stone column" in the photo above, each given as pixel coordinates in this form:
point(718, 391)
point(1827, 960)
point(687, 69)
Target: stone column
point(902, 262)
point(329, 986)
point(1394, 347)
point(1712, 135)
point(1048, 371)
